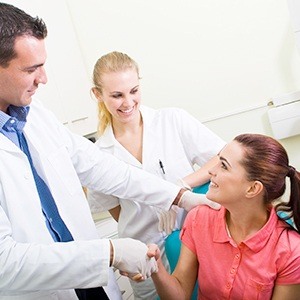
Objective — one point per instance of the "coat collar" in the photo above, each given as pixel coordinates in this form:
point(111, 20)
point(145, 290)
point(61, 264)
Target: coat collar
point(108, 141)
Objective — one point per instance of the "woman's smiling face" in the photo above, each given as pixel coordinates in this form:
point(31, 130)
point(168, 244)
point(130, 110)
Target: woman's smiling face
point(228, 178)
point(121, 95)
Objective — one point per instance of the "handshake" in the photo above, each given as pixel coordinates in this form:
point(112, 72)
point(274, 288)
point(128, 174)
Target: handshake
point(132, 259)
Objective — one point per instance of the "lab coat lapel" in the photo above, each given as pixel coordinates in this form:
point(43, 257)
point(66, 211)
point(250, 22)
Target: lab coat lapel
point(151, 151)
point(108, 140)
point(7, 145)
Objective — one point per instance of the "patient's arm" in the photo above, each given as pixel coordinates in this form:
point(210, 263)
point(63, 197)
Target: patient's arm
point(181, 283)
point(286, 292)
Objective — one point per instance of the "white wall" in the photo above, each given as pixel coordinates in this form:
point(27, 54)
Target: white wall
point(220, 60)
point(214, 58)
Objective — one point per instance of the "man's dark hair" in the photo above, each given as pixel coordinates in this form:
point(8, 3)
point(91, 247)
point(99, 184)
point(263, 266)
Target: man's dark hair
point(14, 23)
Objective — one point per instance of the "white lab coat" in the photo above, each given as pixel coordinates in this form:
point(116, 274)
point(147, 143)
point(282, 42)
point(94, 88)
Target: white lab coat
point(32, 265)
point(179, 141)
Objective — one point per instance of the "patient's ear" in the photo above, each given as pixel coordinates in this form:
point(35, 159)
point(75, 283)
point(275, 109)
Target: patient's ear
point(254, 189)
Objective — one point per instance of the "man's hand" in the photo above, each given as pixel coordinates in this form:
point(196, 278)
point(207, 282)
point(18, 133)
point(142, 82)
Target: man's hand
point(190, 200)
point(130, 257)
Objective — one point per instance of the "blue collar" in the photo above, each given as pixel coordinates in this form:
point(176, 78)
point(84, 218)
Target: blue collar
point(14, 119)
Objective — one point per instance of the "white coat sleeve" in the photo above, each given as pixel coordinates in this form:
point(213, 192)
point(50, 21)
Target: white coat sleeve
point(29, 266)
point(99, 202)
point(103, 172)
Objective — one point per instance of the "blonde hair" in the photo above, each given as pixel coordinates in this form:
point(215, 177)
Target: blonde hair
point(108, 63)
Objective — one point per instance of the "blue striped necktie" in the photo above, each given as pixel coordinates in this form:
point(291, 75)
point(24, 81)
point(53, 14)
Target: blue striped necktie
point(55, 224)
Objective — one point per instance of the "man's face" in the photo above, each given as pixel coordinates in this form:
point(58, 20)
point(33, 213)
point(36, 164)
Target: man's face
point(19, 81)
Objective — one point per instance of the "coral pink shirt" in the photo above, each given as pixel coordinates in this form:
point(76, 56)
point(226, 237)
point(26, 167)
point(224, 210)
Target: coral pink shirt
point(247, 271)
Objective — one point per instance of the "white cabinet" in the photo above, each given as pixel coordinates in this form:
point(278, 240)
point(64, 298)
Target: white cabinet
point(67, 92)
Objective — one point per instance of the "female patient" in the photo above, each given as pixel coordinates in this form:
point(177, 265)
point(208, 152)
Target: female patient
point(165, 142)
point(244, 250)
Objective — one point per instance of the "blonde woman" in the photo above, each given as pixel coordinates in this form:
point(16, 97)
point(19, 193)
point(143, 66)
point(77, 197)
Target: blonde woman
point(165, 142)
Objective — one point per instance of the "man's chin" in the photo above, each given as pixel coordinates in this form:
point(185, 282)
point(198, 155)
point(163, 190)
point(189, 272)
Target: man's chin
point(26, 102)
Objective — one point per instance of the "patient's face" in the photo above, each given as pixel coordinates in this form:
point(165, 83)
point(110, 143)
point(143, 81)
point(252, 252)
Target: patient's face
point(121, 95)
point(229, 182)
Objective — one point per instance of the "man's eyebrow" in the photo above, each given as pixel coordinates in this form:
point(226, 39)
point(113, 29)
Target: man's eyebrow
point(33, 67)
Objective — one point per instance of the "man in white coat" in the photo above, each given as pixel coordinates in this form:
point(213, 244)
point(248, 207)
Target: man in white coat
point(35, 261)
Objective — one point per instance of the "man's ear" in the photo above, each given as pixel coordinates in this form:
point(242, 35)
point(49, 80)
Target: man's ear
point(254, 189)
point(97, 94)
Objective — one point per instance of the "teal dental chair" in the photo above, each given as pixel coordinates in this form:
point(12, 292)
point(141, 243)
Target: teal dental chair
point(173, 243)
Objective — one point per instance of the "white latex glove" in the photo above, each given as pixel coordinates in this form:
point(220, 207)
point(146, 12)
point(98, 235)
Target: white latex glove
point(183, 184)
point(190, 200)
point(167, 219)
point(130, 256)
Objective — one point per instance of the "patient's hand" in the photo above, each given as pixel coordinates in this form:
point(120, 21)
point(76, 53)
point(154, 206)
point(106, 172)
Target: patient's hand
point(153, 251)
point(135, 277)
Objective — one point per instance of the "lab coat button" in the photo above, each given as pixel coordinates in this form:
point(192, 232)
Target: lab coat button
point(27, 176)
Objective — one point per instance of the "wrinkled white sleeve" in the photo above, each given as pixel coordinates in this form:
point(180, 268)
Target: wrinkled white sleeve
point(30, 266)
point(99, 202)
point(102, 172)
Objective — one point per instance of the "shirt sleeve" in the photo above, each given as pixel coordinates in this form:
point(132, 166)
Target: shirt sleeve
point(186, 234)
point(290, 272)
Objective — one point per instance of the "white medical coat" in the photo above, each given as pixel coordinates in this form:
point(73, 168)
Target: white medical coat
point(171, 136)
point(32, 266)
